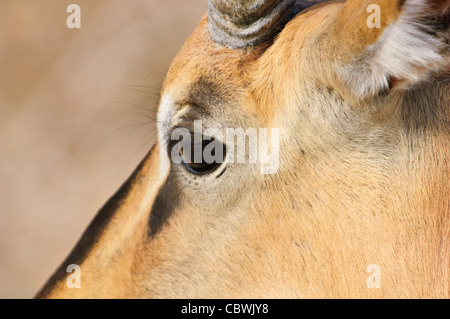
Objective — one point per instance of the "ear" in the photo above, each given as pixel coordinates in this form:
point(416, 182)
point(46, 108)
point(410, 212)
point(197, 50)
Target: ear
point(389, 44)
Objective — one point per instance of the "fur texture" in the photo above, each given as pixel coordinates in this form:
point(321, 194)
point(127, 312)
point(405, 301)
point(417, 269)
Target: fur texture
point(363, 179)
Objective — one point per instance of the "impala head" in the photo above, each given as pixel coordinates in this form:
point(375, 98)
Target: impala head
point(360, 104)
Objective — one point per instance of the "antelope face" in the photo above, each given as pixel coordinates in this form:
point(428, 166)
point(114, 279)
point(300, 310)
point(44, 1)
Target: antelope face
point(353, 121)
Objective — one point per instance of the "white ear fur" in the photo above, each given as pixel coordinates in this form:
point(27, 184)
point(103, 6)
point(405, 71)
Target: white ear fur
point(406, 51)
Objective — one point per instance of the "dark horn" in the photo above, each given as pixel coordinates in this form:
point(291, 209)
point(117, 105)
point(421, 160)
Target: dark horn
point(245, 23)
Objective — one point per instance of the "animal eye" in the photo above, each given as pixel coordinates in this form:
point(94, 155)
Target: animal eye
point(203, 158)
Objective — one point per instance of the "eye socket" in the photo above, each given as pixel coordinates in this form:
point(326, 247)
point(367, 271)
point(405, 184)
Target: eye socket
point(204, 158)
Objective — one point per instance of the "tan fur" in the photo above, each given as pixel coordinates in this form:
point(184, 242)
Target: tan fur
point(361, 181)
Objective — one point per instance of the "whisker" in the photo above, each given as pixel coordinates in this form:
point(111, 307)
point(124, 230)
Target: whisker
point(144, 146)
point(146, 92)
point(130, 125)
point(139, 127)
point(137, 106)
point(145, 87)
point(138, 114)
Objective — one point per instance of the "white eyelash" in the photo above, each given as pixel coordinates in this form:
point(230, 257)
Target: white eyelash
point(164, 117)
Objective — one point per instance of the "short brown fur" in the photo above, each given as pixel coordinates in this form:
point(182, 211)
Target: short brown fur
point(361, 180)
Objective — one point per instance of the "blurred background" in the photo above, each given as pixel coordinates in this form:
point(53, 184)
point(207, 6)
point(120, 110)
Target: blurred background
point(76, 110)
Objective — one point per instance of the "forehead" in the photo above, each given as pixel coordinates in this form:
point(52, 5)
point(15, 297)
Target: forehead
point(205, 70)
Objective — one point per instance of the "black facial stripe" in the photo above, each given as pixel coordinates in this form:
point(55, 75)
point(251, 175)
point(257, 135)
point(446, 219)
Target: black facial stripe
point(163, 207)
point(93, 232)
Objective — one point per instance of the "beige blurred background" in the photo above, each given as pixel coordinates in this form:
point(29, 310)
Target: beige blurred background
point(71, 101)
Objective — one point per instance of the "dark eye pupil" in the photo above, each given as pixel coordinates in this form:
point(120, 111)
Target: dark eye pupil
point(204, 166)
